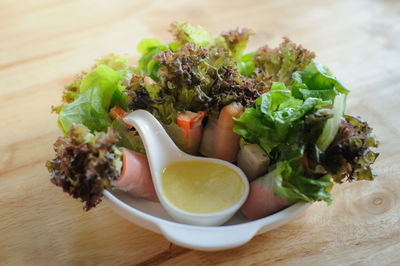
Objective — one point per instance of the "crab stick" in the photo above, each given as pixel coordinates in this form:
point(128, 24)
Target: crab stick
point(190, 125)
point(135, 176)
point(118, 112)
point(226, 142)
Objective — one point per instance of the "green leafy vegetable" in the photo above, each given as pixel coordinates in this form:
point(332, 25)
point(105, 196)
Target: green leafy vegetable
point(307, 126)
point(185, 33)
point(89, 97)
point(150, 48)
point(87, 110)
point(85, 164)
point(332, 125)
point(127, 138)
point(102, 82)
point(350, 155)
point(96, 92)
point(280, 63)
point(70, 93)
point(284, 126)
point(192, 79)
point(117, 63)
point(288, 182)
point(201, 79)
point(150, 97)
point(317, 81)
point(236, 41)
point(275, 119)
point(246, 65)
point(187, 69)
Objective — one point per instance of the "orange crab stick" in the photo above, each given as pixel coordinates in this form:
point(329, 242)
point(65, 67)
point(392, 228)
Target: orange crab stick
point(190, 125)
point(135, 176)
point(226, 142)
point(118, 112)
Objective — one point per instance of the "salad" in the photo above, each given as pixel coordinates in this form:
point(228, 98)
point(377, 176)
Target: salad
point(275, 112)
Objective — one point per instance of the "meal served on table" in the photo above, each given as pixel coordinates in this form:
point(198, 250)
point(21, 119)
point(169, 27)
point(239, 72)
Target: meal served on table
point(275, 112)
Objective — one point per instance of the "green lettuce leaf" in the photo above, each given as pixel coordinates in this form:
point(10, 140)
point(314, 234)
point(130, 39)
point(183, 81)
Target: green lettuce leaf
point(288, 182)
point(331, 127)
point(317, 81)
point(276, 116)
point(246, 64)
point(114, 61)
point(96, 92)
point(103, 81)
point(149, 48)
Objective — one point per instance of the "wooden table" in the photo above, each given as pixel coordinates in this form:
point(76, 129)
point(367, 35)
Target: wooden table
point(44, 44)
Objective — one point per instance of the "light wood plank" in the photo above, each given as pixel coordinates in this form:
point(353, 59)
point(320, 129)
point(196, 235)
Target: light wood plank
point(44, 44)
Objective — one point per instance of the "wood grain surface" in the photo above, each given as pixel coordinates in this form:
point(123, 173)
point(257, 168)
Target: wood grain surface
point(44, 44)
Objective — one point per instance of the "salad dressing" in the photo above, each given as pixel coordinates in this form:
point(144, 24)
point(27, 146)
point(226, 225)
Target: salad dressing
point(200, 186)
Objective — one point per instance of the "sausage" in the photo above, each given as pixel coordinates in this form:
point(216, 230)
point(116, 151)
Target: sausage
point(261, 202)
point(135, 176)
point(226, 142)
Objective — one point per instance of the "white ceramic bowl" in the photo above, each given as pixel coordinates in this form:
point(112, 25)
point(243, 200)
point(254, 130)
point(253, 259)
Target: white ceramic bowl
point(237, 231)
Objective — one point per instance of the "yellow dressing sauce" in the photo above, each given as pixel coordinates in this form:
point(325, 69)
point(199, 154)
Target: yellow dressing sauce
point(201, 187)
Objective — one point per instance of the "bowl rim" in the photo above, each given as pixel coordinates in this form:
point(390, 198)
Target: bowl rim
point(238, 234)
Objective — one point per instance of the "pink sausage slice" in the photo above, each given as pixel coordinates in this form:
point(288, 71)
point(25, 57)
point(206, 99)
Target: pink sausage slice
point(261, 202)
point(135, 176)
point(226, 142)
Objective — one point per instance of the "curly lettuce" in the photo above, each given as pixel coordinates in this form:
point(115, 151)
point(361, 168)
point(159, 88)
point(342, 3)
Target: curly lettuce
point(184, 33)
point(85, 164)
point(280, 63)
point(236, 41)
point(194, 72)
point(351, 154)
point(195, 79)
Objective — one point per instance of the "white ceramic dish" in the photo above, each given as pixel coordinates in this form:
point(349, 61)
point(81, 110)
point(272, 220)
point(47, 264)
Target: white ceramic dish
point(237, 231)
